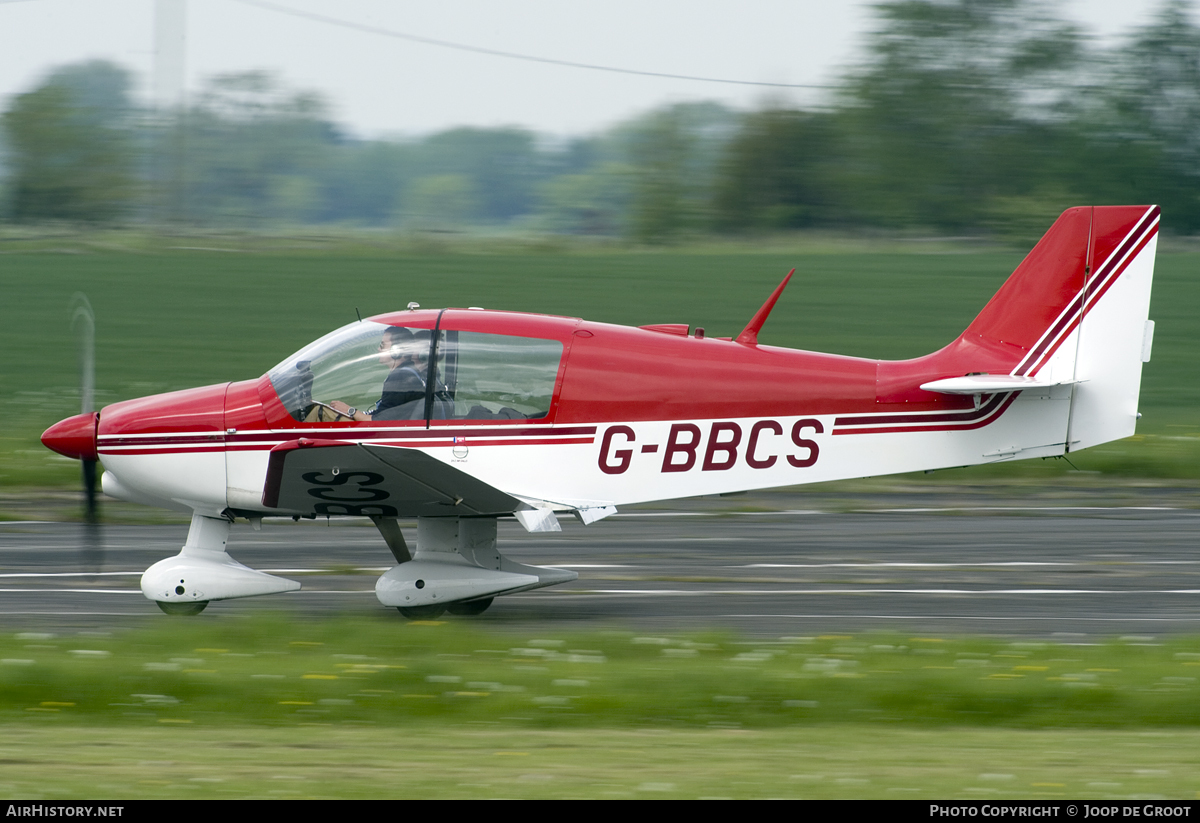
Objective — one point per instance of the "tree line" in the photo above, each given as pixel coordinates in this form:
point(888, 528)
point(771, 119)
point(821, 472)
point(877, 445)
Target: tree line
point(961, 117)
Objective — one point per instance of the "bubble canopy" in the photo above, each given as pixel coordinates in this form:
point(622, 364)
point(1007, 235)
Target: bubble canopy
point(385, 371)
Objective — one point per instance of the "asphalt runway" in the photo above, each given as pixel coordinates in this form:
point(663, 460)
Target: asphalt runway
point(993, 567)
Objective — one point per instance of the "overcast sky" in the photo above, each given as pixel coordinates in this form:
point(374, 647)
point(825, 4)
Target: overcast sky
point(378, 85)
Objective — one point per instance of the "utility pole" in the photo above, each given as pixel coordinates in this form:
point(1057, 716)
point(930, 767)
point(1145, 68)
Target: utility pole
point(170, 52)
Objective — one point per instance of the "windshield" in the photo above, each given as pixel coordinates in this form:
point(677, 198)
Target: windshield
point(343, 365)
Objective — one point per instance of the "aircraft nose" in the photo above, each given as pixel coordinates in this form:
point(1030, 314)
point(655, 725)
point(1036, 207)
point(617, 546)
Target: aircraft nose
point(74, 437)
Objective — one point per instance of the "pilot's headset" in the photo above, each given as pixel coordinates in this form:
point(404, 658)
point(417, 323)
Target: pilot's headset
point(421, 339)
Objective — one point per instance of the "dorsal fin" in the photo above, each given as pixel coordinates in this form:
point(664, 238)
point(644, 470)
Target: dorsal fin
point(749, 335)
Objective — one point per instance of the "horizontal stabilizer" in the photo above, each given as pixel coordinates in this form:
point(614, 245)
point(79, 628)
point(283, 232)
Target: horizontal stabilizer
point(990, 384)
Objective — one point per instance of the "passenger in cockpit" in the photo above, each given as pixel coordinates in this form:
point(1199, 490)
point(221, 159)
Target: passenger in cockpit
point(403, 396)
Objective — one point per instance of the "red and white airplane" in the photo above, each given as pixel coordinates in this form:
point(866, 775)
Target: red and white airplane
point(531, 416)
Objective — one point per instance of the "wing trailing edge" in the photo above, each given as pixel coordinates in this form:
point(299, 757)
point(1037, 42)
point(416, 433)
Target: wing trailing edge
point(330, 477)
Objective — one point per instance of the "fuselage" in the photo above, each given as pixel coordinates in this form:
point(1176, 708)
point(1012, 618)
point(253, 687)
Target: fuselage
point(635, 414)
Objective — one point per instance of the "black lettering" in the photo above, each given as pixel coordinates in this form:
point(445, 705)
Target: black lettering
point(811, 445)
point(623, 456)
point(752, 444)
point(728, 447)
point(675, 447)
point(325, 490)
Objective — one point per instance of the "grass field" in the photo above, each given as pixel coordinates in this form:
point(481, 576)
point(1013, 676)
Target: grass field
point(227, 309)
point(61, 761)
point(362, 707)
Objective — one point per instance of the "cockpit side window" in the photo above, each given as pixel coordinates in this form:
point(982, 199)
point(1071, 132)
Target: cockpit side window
point(494, 377)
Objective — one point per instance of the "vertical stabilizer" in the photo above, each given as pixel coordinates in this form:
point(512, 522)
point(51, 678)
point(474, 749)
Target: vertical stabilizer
point(1075, 311)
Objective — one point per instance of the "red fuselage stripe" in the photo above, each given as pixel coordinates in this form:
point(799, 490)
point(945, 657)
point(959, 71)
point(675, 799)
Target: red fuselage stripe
point(952, 427)
point(934, 417)
point(266, 447)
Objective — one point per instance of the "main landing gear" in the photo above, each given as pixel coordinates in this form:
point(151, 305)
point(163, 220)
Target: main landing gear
point(203, 571)
point(456, 568)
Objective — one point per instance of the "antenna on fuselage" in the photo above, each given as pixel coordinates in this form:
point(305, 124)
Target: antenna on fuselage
point(749, 335)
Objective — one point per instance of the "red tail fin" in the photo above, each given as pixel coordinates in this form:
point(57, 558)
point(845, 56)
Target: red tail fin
point(1025, 323)
point(1081, 255)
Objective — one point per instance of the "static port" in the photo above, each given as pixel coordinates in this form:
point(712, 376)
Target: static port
point(420, 584)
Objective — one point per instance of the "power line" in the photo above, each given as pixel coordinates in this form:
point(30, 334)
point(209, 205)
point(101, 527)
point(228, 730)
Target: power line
point(429, 41)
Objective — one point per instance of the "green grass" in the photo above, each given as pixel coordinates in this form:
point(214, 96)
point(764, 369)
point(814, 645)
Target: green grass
point(360, 707)
point(269, 672)
point(171, 319)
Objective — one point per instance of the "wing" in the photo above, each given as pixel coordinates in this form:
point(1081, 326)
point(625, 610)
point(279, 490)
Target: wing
point(332, 477)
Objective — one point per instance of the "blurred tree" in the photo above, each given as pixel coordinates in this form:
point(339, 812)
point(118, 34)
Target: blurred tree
point(662, 191)
point(70, 146)
point(440, 202)
point(674, 154)
point(293, 197)
point(780, 172)
point(591, 202)
point(254, 151)
point(362, 182)
point(1022, 219)
point(100, 89)
point(1149, 137)
point(952, 106)
point(503, 166)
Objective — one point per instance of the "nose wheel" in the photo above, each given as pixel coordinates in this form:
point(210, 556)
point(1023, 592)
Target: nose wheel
point(421, 612)
point(470, 607)
point(182, 608)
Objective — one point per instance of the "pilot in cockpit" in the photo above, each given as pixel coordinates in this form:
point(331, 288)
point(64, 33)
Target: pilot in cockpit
point(403, 395)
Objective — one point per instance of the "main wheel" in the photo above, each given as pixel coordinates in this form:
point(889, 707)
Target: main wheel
point(470, 607)
point(182, 608)
point(422, 612)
